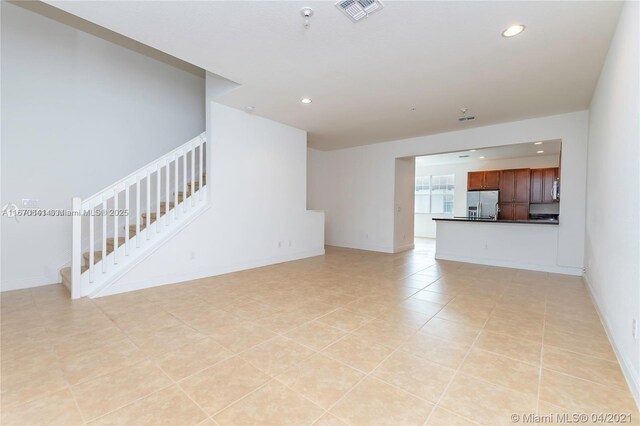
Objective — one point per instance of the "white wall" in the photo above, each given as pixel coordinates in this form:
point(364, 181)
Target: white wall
point(613, 203)
point(257, 214)
point(426, 227)
point(404, 201)
point(523, 246)
point(355, 186)
point(78, 113)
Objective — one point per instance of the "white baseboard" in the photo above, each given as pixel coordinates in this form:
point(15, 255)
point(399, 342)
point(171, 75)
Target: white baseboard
point(567, 270)
point(404, 248)
point(52, 276)
point(632, 380)
point(30, 282)
point(205, 273)
point(357, 246)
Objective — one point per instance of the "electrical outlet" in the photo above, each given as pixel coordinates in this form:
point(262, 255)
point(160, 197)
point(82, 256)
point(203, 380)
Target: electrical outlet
point(366, 236)
point(192, 255)
point(289, 243)
point(634, 328)
point(279, 244)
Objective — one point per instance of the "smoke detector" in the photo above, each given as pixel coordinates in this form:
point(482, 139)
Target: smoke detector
point(466, 117)
point(357, 10)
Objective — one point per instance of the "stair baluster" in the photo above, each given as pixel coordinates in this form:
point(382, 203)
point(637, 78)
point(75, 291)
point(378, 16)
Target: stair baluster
point(201, 146)
point(184, 180)
point(167, 171)
point(158, 201)
point(116, 194)
point(175, 186)
point(113, 267)
point(148, 195)
point(91, 244)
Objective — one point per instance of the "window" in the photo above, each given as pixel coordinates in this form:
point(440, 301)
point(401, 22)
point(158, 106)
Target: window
point(434, 194)
point(423, 194)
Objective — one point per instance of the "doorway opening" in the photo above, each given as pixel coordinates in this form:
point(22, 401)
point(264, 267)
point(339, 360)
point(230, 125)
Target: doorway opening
point(476, 182)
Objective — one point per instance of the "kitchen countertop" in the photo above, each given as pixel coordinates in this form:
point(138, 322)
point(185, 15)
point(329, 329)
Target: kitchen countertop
point(486, 220)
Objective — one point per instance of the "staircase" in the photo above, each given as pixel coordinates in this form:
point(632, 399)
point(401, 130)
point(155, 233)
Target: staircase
point(134, 216)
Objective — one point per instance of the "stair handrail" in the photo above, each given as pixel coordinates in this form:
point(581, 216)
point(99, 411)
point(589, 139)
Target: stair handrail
point(89, 201)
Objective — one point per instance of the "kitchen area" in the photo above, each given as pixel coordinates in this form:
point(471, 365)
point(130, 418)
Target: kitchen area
point(503, 205)
point(514, 195)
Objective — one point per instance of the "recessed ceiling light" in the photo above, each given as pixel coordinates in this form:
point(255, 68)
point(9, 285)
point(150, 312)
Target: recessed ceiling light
point(540, 152)
point(250, 108)
point(473, 150)
point(513, 30)
point(482, 157)
point(305, 100)
point(537, 143)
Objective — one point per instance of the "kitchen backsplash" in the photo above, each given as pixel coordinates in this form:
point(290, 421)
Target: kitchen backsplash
point(544, 208)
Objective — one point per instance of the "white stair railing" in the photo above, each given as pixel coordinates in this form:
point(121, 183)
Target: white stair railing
point(115, 257)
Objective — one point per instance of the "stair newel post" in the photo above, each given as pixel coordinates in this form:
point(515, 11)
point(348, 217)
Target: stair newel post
point(158, 201)
point(115, 226)
point(184, 180)
point(104, 233)
point(167, 198)
point(193, 174)
point(126, 219)
point(76, 248)
point(200, 182)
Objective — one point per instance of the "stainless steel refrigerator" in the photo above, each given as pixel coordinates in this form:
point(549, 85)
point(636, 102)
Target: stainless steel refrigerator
point(482, 204)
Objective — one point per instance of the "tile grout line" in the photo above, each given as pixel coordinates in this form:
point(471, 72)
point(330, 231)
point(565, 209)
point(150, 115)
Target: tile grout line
point(540, 370)
point(371, 373)
point(458, 370)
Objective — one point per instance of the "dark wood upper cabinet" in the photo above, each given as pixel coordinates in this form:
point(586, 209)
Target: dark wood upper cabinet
point(475, 181)
point(514, 194)
point(548, 177)
point(536, 186)
point(508, 186)
point(522, 184)
point(542, 185)
point(492, 179)
point(484, 180)
point(514, 186)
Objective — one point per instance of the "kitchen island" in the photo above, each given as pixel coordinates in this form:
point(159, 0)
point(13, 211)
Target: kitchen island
point(523, 244)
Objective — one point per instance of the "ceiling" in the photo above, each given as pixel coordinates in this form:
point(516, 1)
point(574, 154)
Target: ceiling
point(503, 152)
point(364, 78)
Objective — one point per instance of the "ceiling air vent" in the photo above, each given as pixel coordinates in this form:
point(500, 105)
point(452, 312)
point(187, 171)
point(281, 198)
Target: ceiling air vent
point(467, 118)
point(463, 156)
point(357, 10)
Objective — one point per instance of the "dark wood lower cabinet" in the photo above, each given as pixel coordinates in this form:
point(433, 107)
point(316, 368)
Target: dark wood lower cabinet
point(521, 211)
point(514, 211)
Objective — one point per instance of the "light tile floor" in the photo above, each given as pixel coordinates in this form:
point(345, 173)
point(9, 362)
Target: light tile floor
point(352, 337)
